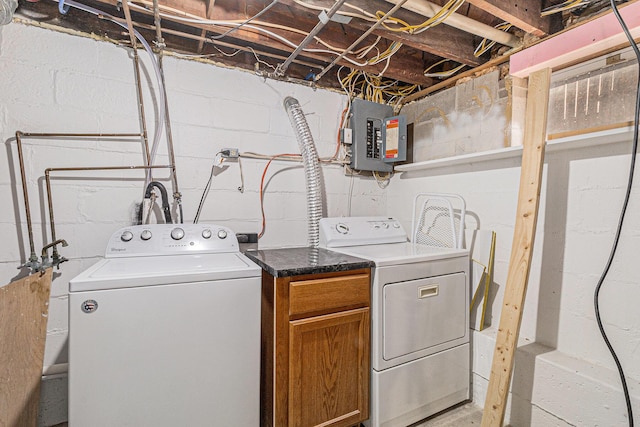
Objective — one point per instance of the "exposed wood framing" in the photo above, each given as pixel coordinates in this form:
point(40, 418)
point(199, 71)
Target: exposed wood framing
point(521, 250)
point(406, 68)
point(524, 14)
point(457, 20)
point(441, 40)
point(589, 40)
point(455, 40)
point(209, 15)
point(451, 81)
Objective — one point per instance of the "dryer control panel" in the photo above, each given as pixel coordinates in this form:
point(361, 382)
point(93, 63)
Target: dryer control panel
point(171, 239)
point(360, 230)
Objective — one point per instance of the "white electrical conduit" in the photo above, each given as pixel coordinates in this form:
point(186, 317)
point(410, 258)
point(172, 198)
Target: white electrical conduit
point(461, 22)
point(156, 69)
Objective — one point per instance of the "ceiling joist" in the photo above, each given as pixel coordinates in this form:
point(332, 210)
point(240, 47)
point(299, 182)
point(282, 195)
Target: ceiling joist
point(524, 14)
point(402, 48)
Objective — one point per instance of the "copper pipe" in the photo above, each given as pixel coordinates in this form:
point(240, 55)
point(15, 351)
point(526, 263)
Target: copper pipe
point(143, 120)
point(79, 135)
point(107, 168)
point(50, 204)
point(33, 258)
point(25, 194)
point(47, 175)
point(127, 15)
point(177, 196)
point(156, 22)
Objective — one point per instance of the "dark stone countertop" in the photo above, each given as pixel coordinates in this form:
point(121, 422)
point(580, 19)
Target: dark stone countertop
point(297, 261)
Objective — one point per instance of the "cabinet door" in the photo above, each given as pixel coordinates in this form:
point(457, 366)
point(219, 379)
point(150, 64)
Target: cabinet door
point(329, 369)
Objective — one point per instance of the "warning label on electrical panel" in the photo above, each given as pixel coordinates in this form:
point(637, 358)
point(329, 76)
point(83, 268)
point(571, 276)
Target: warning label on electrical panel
point(392, 139)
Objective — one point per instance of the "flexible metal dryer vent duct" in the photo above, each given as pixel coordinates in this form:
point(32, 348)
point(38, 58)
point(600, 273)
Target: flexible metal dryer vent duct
point(311, 167)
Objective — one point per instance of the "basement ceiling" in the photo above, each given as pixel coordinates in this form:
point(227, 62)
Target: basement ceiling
point(405, 44)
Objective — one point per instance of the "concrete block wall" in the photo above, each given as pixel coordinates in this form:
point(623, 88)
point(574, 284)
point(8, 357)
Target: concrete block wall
point(445, 122)
point(563, 373)
point(54, 82)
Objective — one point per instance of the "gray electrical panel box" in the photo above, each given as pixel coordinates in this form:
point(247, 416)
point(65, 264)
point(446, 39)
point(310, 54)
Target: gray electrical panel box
point(379, 138)
point(367, 123)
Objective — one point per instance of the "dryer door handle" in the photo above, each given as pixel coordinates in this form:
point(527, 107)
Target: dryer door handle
point(428, 291)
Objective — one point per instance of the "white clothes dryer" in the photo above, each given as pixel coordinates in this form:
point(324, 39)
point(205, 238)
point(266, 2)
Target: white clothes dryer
point(420, 354)
point(165, 331)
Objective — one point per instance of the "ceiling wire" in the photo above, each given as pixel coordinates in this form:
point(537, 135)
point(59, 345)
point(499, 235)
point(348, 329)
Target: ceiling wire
point(360, 39)
point(257, 27)
point(439, 17)
point(379, 18)
point(567, 5)
point(484, 46)
point(231, 30)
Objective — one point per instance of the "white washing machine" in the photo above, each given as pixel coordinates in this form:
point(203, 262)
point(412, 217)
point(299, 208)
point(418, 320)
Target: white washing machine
point(165, 331)
point(420, 354)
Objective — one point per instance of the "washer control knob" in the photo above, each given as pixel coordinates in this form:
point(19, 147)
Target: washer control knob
point(145, 235)
point(177, 233)
point(222, 234)
point(385, 225)
point(126, 236)
point(342, 228)
point(206, 233)
point(396, 225)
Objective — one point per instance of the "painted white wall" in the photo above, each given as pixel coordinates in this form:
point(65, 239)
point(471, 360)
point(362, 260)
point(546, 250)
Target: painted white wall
point(564, 374)
point(54, 82)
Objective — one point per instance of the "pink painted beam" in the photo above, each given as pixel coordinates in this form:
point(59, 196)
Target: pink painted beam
point(587, 40)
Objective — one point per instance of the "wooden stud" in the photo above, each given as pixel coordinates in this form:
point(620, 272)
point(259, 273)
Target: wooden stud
point(441, 40)
point(523, 14)
point(521, 250)
point(203, 33)
point(588, 40)
point(24, 306)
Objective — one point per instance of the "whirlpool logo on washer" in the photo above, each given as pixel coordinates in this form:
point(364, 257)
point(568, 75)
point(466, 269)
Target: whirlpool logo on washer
point(89, 306)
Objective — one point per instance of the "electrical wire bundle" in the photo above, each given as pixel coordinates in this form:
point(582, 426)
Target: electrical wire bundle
point(261, 27)
point(374, 88)
point(567, 5)
point(401, 26)
point(484, 46)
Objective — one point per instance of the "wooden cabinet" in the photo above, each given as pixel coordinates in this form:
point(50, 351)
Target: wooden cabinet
point(315, 349)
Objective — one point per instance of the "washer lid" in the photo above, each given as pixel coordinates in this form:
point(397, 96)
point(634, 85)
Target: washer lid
point(115, 273)
point(400, 253)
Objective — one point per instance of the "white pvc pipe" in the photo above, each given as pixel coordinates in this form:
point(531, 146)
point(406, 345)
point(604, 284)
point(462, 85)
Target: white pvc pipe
point(461, 22)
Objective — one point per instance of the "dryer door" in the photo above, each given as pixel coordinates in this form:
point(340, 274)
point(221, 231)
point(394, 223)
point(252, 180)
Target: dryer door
point(424, 313)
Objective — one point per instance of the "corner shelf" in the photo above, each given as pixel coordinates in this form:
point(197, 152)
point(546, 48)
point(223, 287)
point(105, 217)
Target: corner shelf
point(557, 142)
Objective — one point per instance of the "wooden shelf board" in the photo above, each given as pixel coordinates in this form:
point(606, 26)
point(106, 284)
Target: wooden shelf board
point(556, 142)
